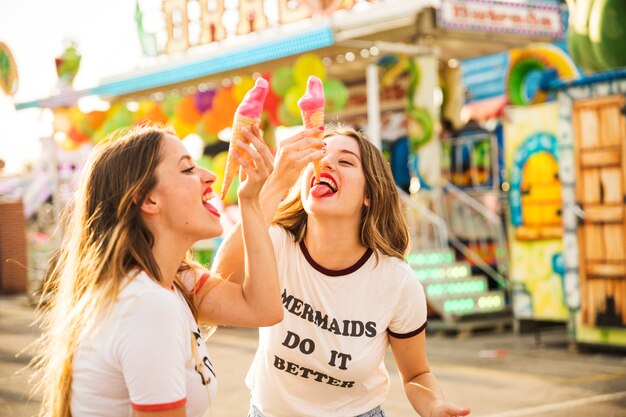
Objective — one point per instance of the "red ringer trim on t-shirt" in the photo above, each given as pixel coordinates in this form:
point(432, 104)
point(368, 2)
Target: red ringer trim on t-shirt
point(410, 334)
point(201, 283)
point(159, 407)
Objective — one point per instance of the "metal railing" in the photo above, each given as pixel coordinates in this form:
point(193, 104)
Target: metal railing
point(471, 221)
point(427, 230)
point(452, 217)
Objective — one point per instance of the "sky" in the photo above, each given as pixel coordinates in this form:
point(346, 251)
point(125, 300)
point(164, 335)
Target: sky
point(36, 31)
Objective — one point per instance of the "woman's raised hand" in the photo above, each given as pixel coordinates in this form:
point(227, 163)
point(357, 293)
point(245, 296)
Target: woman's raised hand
point(256, 165)
point(295, 153)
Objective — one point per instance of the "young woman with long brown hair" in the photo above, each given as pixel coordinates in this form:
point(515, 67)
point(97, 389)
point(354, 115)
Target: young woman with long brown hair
point(120, 329)
point(346, 290)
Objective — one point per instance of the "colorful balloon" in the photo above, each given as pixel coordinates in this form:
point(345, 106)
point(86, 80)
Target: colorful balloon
point(231, 195)
point(96, 118)
point(169, 104)
point(207, 137)
point(292, 97)
point(182, 128)
point(307, 65)
point(205, 162)
point(281, 81)
point(210, 123)
point(272, 101)
point(336, 95)
point(224, 107)
point(186, 111)
point(241, 88)
point(286, 118)
point(156, 114)
point(204, 100)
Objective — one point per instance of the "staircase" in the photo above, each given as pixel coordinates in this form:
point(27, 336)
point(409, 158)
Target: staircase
point(459, 254)
point(452, 291)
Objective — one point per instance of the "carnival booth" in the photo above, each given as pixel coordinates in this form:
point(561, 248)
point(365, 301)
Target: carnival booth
point(380, 64)
point(564, 265)
point(592, 117)
point(479, 154)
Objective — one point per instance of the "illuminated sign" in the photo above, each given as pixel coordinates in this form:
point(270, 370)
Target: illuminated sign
point(527, 18)
point(177, 25)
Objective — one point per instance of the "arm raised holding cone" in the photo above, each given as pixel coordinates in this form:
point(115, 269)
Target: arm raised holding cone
point(311, 106)
point(293, 155)
point(247, 115)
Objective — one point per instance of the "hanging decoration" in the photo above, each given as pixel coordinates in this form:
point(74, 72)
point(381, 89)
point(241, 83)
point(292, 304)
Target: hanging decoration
point(67, 65)
point(8, 71)
point(420, 121)
point(526, 68)
point(206, 113)
point(596, 37)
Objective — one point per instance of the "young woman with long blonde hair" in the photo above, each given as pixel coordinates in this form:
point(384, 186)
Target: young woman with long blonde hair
point(120, 327)
point(346, 290)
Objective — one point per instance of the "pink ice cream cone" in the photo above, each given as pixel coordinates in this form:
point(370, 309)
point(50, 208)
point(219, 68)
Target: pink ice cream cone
point(312, 110)
point(248, 113)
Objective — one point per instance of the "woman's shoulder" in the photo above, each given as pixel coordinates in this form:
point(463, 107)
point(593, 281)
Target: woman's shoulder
point(277, 230)
point(141, 290)
point(399, 266)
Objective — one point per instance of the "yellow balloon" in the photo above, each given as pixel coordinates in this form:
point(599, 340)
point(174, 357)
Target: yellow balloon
point(182, 129)
point(241, 88)
point(292, 96)
point(75, 115)
point(145, 107)
point(307, 65)
point(219, 166)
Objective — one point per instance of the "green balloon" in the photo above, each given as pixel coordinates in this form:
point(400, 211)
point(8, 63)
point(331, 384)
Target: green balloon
point(607, 32)
point(336, 95)
point(206, 162)
point(231, 195)
point(282, 80)
point(169, 104)
point(286, 117)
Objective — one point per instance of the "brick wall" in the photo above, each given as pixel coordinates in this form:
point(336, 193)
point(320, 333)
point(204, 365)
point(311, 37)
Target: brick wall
point(13, 251)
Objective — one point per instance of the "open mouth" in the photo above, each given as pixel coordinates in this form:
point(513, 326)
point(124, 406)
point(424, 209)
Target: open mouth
point(326, 186)
point(208, 195)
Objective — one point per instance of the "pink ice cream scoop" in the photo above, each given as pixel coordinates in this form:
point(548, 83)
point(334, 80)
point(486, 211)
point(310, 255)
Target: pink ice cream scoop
point(313, 99)
point(312, 110)
point(248, 113)
point(252, 103)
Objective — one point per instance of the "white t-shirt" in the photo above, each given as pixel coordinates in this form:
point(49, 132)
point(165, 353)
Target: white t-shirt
point(140, 357)
point(326, 358)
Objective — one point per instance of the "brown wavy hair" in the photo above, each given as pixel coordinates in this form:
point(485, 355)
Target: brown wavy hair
point(382, 225)
point(104, 241)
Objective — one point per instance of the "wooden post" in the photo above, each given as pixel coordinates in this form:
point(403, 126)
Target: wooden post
point(297, 11)
point(177, 23)
point(251, 16)
point(212, 27)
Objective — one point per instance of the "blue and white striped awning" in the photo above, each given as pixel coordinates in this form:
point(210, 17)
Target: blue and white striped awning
point(214, 63)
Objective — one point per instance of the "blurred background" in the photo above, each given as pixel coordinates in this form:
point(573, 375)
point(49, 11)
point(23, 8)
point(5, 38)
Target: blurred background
point(503, 122)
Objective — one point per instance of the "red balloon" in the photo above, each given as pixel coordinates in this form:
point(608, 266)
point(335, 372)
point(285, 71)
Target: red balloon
point(77, 137)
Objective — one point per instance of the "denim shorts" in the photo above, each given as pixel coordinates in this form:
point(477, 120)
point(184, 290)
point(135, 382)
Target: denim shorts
point(375, 412)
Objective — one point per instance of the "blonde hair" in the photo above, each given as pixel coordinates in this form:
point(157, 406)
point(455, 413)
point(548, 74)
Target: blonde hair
point(105, 240)
point(382, 225)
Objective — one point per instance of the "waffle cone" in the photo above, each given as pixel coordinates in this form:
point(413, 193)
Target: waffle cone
point(312, 119)
point(232, 166)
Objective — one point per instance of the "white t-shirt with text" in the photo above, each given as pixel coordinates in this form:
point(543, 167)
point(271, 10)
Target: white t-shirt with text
point(326, 358)
point(146, 354)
